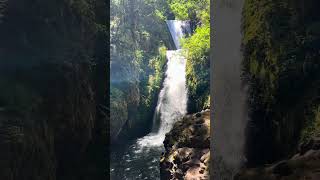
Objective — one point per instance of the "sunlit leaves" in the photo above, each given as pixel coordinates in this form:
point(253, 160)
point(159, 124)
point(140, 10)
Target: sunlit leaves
point(160, 15)
point(196, 48)
point(199, 43)
point(157, 64)
point(186, 9)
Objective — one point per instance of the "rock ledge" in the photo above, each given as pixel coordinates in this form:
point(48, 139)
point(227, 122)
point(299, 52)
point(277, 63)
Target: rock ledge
point(187, 149)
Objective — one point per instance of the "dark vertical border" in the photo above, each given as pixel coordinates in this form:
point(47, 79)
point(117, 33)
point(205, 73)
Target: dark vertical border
point(108, 93)
point(102, 88)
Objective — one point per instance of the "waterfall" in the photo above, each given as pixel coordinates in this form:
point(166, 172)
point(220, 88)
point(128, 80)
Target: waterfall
point(172, 100)
point(177, 30)
point(229, 97)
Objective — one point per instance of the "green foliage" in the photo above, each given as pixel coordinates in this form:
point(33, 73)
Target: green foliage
point(198, 64)
point(137, 34)
point(139, 39)
point(207, 102)
point(155, 78)
point(160, 15)
point(199, 43)
point(281, 67)
point(312, 129)
point(197, 48)
point(191, 9)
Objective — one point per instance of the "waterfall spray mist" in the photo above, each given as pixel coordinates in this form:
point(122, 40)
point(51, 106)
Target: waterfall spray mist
point(229, 97)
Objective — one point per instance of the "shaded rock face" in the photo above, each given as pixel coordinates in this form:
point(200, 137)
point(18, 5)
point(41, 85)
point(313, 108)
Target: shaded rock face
point(304, 165)
point(51, 137)
point(126, 123)
point(187, 149)
point(278, 112)
point(124, 107)
point(52, 83)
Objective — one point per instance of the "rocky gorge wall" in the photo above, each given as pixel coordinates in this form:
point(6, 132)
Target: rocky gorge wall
point(52, 135)
point(280, 46)
point(53, 76)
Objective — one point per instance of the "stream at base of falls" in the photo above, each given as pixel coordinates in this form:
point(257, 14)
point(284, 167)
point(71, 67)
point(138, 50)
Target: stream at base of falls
point(140, 159)
point(130, 162)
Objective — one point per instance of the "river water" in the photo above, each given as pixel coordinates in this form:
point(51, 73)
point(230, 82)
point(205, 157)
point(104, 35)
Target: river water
point(139, 159)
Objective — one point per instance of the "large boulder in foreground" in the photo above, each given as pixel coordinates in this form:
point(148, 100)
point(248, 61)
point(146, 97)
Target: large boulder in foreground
point(304, 165)
point(187, 149)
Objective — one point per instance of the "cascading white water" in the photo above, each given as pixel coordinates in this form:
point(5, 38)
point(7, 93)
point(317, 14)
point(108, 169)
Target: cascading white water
point(172, 101)
point(177, 30)
point(229, 97)
point(140, 159)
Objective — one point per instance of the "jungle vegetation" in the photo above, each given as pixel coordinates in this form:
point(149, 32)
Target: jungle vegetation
point(139, 40)
point(197, 48)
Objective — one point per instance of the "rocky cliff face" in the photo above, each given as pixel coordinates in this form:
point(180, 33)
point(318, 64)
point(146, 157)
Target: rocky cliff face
point(187, 148)
point(124, 104)
point(48, 123)
point(304, 165)
point(53, 77)
point(283, 83)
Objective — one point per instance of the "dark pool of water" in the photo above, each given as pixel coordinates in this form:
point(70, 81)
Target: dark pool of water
point(132, 161)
